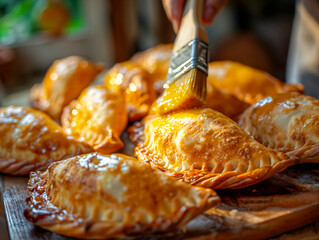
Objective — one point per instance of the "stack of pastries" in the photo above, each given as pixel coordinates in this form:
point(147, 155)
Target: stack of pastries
point(253, 127)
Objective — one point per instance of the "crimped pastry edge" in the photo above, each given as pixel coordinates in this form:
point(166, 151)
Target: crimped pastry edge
point(49, 217)
point(13, 166)
point(230, 179)
point(105, 146)
point(305, 154)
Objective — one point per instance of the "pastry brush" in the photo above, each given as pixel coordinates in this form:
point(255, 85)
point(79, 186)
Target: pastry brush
point(185, 85)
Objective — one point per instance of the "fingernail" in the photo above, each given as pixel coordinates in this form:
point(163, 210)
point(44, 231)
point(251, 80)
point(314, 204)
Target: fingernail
point(209, 14)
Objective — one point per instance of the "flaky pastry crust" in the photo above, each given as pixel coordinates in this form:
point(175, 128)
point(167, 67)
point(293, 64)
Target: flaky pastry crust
point(136, 85)
point(231, 86)
point(63, 82)
point(30, 141)
point(286, 122)
point(156, 61)
point(224, 102)
point(205, 148)
point(97, 196)
point(98, 117)
point(246, 83)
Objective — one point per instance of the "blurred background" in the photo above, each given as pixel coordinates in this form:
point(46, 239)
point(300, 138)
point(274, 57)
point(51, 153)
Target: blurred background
point(34, 33)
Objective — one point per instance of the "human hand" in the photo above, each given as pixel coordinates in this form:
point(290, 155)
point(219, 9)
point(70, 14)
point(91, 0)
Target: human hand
point(174, 10)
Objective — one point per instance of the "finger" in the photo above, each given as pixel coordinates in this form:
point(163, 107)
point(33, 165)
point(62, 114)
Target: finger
point(177, 11)
point(211, 8)
point(168, 8)
point(174, 11)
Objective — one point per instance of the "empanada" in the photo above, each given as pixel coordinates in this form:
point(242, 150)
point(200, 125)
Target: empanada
point(136, 85)
point(286, 122)
point(98, 117)
point(63, 82)
point(96, 196)
point(248, 84)
point(205, 148)
point(156, 61)
point(224, 102)
point(31, 140)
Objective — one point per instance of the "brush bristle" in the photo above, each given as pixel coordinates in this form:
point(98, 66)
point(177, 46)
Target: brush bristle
point(187, 92)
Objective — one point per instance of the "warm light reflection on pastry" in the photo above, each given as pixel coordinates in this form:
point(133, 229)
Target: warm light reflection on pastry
point(185, 93)
point(224, 102)
point(63, 82)
point(286, 122)
point(96, 196)
point(31, 140)
point(246, 83)
point(98, 118)
point(217, 99)
point(136, 85)
point(156, 61)
point(205, 148)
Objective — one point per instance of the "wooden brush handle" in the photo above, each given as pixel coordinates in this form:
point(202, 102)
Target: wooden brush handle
point(192, 24)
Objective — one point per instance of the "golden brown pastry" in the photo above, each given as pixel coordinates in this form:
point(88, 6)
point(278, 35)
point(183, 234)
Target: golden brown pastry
point(205, 148)
point(136, 85)
point(224, 102)
point(218, 100)
point(31, 140)
point(286, 122)
point(187, 92)
point(63, 82)
point(248, 84)
point(156, 61)
point(96, 196)
point(98, 118)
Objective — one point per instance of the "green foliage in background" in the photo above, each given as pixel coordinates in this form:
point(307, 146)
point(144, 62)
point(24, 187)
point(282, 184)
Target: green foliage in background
point(18, 19)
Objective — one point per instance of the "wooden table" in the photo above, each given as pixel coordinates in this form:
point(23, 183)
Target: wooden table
point(285, 202)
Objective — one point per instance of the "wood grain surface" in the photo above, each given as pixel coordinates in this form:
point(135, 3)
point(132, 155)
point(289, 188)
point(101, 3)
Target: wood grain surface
point(3, 225)
point(287, 201)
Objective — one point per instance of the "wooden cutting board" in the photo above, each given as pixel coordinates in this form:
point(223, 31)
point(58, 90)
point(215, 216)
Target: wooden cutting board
point(284, 202)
